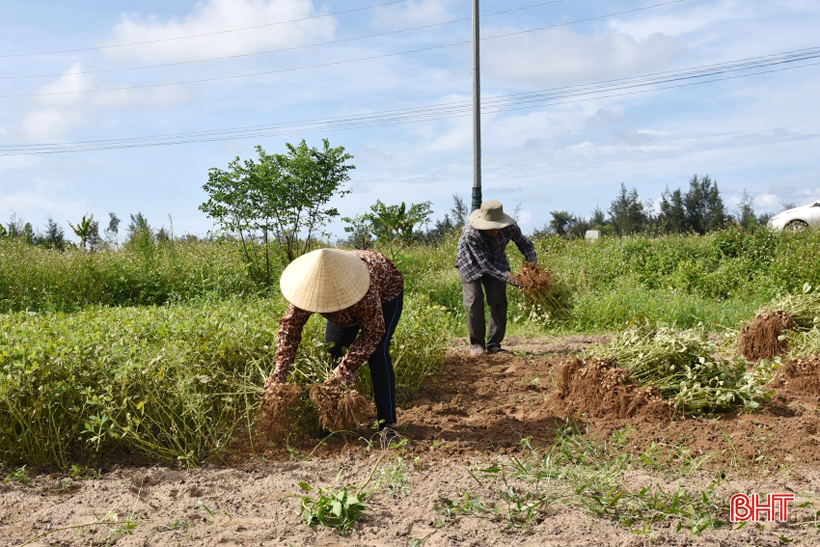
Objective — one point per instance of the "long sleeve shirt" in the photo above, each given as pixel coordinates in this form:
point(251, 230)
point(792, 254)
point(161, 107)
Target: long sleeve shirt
point(386, 283)
point(479, 254)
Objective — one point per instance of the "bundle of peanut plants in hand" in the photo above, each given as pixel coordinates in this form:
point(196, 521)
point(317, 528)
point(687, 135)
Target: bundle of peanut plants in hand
point(543, 299)
point(682, 366)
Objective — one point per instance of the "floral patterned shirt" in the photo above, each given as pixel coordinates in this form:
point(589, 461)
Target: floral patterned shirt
point(386, 283)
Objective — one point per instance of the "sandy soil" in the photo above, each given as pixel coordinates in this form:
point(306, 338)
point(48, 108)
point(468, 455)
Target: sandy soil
point(475, 415)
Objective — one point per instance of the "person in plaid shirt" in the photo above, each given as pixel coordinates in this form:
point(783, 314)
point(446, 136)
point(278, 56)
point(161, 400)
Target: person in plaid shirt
point(483, 267)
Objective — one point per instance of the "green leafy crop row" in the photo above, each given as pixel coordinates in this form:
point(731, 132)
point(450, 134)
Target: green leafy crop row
point(172, 382)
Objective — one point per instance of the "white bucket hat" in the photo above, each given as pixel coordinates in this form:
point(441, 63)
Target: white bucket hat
point(325, 280)
point(491, 216)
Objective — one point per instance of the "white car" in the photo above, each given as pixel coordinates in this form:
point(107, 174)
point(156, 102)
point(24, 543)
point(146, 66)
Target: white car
point(797, 219)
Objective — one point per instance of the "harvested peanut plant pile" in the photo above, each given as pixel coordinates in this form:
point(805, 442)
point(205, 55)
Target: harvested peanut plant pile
point(277, 407)
point(545, 298)
point(762, 339)
point(680, 364)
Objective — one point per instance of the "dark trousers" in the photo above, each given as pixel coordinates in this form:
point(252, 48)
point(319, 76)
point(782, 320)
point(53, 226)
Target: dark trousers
point(473, 296)
point(380, 363)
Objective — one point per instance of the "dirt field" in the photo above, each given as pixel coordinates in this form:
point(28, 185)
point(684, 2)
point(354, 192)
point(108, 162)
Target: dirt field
point(474, 416)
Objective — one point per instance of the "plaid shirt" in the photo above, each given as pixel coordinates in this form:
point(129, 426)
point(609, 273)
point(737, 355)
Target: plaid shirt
point(479, 254)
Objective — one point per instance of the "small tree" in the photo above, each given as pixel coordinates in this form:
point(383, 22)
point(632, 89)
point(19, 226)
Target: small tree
point(88, 231)
point(359, 230)
point(562, 222)
point(281, 197)
point(139, 231)
point(459, 212)
point(746, 217)
point(627, 212)
point(452, 222)
point(598, 220)
point(113, 229)
point(313, 177)
point(17, 229)
point(54, 238)
point(672, 218)
point(396, 222)
point(704, 207)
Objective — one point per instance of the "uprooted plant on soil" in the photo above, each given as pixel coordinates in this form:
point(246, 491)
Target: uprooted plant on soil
point(339, 408)
point(683, 367)
point(598, 387)
point(786, 325)
point(544, 298)
point(283, 405)
point(804, 307)
point(276, 411)
point(763, 337)
point(801, 375)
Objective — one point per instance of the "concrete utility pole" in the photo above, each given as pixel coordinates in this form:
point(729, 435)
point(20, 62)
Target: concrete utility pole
point(476, 115)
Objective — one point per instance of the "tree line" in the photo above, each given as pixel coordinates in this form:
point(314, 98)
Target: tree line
point(276, 206)
point(697, 210)
point(92, 237)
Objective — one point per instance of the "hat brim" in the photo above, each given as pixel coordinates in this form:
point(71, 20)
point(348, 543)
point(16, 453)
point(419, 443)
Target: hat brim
point(481, 224)
point(324, 281)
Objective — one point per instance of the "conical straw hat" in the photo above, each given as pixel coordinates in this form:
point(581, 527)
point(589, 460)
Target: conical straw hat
point(326, 280)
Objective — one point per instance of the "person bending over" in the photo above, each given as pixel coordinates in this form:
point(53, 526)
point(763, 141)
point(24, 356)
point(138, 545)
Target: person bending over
point(361, 294)
point(483, 267)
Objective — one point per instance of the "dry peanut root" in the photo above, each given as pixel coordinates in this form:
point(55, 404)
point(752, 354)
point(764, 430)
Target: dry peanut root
point(761, 339)
point(339, 408)
point(598, 387)
point(273, 414)
point(533, 278)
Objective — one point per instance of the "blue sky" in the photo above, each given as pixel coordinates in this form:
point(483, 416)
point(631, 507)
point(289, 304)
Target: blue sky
point(579, 97)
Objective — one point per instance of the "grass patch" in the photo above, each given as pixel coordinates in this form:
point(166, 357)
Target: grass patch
point(578, 472)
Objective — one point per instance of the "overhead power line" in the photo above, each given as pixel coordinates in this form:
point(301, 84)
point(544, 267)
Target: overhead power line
point(280, 50)
point(190, 36)
point(337, 63)
point(605, 89)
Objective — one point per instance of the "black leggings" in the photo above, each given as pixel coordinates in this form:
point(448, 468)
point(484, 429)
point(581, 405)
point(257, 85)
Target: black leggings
point(381, 365)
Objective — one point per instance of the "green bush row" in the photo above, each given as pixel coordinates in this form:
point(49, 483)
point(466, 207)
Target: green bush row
point(38, 279)
point(173, 382)
point(717, 278)
point(720, 265)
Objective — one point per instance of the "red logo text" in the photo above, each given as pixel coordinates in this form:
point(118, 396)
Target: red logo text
point(743, 508)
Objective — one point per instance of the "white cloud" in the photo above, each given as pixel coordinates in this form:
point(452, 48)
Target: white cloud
point(457, 137)
point(414, 12)
point(69, 101)
point(524, 217)
point(767, 201)
point(810, 194)
point(17, 162)
point(212, 18)
point(43, 199)
point(560, 56)
point(680, 22)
